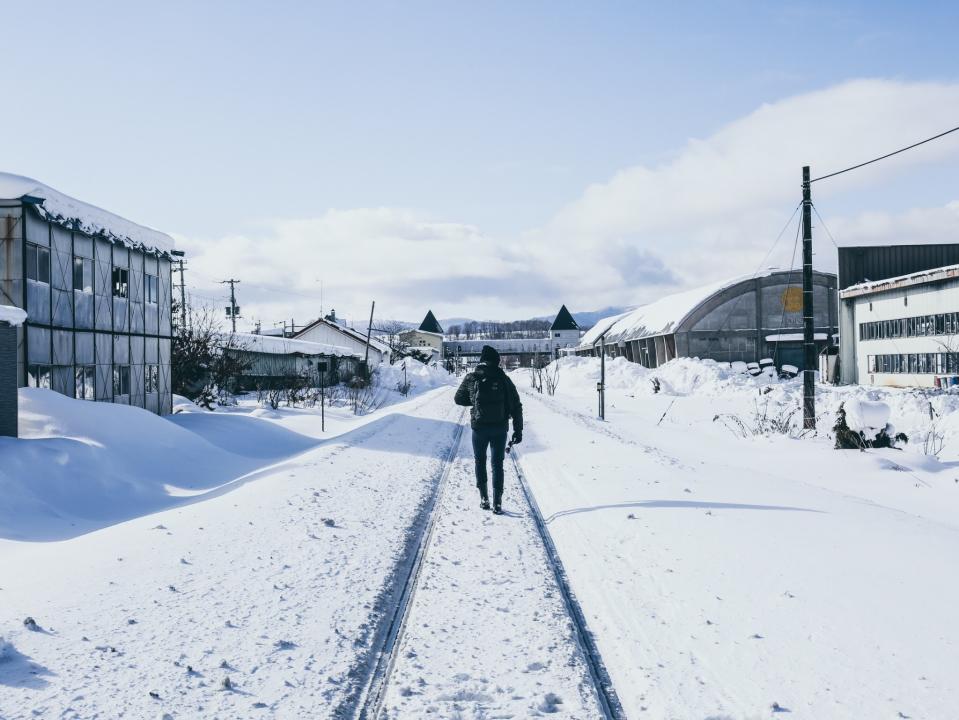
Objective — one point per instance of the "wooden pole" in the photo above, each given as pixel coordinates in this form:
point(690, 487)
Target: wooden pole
point(809, 339)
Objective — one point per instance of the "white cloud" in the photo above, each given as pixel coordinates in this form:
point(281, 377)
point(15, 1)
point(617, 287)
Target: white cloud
point(715, 208)
point(709, 212)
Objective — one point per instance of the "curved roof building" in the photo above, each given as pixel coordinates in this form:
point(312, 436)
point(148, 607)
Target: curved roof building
point(745, 318)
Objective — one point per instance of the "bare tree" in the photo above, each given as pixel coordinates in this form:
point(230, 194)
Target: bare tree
point(391, 329)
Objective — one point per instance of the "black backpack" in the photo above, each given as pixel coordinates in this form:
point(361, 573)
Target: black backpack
point(489, 404)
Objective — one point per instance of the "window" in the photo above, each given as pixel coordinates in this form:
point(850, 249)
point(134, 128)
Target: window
point(121, 379)
point(83, 274)
point(120, 282)
point(152, 283)
point(38, 263)
point(84, 382)
point(556, 335)
point(38, 376)
point(151, 379)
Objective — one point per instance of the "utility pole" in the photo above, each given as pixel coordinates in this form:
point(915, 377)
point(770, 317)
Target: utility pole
point(369, 331)
point(809, 340)
point(178, 254)
point(233, 311)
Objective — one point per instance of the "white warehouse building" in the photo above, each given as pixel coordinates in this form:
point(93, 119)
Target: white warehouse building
point(901, 331)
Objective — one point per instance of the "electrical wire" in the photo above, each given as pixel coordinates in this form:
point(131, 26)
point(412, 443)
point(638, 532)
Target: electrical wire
point(792, 269)
point(823, 223)
point(883, 157)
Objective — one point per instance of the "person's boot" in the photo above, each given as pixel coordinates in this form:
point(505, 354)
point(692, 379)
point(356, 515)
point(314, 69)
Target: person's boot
point(484, 499)
point(497, 504)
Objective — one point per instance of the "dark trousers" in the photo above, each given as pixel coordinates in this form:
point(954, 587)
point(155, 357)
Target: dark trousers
point(494, 438)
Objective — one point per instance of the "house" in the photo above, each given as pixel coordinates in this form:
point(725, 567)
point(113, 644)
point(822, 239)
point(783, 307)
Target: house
point(96, 289)
point(328, 332)
point(428, 335)
point(740, 319)
point(272, 361)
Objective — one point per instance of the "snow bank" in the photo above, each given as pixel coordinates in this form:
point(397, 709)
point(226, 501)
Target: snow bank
point(420, 377)
point(65, 210)
point(683, 376)
point(80, 465)
point(12, 315)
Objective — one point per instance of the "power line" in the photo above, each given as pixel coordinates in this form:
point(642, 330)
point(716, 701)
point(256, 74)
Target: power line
point(887, 155)
point(823, 223)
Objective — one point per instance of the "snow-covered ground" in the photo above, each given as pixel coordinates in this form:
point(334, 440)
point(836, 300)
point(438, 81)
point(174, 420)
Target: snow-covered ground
point(724, 575)
point(741, 577)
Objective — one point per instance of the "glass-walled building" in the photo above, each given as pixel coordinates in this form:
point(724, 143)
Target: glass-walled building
point(96, 289)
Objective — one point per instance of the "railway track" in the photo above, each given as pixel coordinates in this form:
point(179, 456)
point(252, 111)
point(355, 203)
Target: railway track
point(605, 692)
point(371, 701)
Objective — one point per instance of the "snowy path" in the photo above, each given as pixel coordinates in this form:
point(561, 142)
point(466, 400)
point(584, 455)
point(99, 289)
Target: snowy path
point(278, 585)
point(737, 579)
point(488, 635)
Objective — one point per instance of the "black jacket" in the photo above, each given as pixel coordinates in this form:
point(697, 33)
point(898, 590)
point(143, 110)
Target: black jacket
point(466, 395)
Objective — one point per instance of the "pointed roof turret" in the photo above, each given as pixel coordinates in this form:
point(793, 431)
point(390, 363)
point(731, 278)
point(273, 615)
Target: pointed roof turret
point(564, 320)
point(430, 324)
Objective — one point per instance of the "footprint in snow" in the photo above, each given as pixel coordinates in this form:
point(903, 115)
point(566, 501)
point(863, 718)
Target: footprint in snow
point(550, 703)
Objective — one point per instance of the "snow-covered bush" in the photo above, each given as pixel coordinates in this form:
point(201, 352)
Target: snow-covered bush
point(865, 423)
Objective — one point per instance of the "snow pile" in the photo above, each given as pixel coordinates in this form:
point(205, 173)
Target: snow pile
point(12, 315)
point(70, 212)
point(867, 417)
point(419, 376)
point(6, 649)
point(80, 465)
point(683, 376)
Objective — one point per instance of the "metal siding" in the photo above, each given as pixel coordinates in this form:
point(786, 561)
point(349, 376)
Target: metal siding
point(858, 264)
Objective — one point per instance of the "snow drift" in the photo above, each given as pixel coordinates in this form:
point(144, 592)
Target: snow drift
point(80, 465)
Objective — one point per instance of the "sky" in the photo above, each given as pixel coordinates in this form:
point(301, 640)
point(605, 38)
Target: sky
point(487, 160)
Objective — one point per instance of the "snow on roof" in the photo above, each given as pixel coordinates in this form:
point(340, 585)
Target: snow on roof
point(70, 212)
point(947, 272)
point(355, 334)
point(601, 326)
point(286, 346)
point(421, 332)
point(662, 316)
point(12, 315)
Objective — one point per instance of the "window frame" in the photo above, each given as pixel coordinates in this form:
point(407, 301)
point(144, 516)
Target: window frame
point(151, 378)
point(121, 282)
point(85, 266)
point(84, 379)
point(33, 253)
point(121, 373)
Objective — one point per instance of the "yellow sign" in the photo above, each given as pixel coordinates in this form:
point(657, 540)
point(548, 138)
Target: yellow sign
point(792, 299)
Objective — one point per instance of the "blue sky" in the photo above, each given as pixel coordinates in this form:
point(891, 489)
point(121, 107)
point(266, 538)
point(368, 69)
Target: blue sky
point(217, 121)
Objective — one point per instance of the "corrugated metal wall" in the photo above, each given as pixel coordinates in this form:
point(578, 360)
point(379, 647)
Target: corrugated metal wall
point(859, 264)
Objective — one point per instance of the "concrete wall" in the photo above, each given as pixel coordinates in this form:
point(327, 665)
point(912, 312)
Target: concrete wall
point(8, 380)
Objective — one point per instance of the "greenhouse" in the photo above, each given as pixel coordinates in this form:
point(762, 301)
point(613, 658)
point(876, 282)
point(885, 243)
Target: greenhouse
point(742, 319)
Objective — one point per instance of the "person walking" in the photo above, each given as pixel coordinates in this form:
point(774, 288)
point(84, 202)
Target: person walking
point(493, 400)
